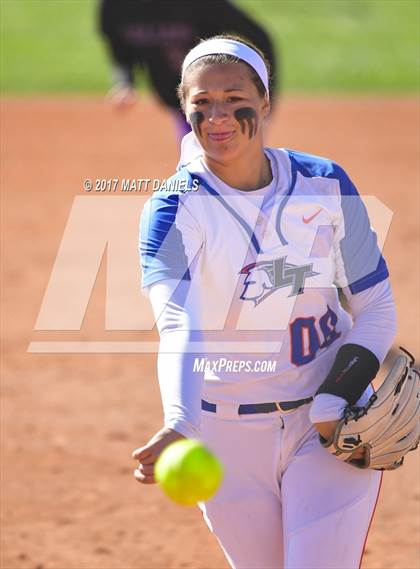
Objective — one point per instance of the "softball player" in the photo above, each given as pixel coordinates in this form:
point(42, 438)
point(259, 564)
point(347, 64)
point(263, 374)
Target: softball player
point(243, 252)
point(155, 35)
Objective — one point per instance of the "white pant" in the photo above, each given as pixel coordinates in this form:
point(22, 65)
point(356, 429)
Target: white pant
point(285, 502)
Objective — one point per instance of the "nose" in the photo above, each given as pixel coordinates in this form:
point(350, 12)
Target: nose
point(218, 113)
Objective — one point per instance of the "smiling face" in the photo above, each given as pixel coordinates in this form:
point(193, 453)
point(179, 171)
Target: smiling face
point(225, 110)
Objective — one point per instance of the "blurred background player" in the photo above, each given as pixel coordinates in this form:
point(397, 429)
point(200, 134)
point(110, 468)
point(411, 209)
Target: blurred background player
point(155, 35)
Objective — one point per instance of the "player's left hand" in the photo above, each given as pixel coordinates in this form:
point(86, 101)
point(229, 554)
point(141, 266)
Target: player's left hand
point(327, 429)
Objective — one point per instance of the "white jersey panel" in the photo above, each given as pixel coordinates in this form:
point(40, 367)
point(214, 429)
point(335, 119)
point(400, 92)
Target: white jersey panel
point(266, 265)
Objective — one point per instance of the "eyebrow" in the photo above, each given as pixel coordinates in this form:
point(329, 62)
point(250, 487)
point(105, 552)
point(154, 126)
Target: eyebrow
point(202, 92)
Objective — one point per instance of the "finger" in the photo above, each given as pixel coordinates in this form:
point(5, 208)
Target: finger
point(151, 459)
point(145, 457)
point(146, 469)
point(143, 478)
point(147, 454)
point(141, 453)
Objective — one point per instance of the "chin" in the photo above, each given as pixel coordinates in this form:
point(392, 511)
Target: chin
point(223, 152)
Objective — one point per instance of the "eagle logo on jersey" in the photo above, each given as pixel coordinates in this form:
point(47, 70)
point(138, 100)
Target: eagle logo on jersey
point(265, 277)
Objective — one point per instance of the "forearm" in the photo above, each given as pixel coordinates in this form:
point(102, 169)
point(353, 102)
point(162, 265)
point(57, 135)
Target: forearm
point(122, 60)
point(358, 360)
point(123, 75)
point(375, 321)
point(180, 385)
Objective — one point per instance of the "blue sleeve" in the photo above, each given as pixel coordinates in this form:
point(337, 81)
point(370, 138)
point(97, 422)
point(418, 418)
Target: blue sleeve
point(360, 264)
point(168, 240)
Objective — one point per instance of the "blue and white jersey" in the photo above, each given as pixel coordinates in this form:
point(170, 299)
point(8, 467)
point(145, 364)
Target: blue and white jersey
point(265, 266)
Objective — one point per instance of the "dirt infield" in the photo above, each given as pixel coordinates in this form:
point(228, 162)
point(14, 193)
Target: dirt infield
point(70, 422)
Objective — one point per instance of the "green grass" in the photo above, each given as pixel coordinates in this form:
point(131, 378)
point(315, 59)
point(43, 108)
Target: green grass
point(345, 45)
point(52, 46)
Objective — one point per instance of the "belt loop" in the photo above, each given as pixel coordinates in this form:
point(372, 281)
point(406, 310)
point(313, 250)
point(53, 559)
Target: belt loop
point(227, 410)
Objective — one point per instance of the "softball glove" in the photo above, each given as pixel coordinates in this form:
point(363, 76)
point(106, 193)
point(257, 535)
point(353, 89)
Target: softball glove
point(387, 427)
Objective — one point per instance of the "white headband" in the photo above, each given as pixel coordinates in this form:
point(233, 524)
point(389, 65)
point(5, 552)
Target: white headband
point(228, 47)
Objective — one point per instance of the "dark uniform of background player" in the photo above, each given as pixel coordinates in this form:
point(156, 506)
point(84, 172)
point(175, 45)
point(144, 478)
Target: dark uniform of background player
point(155, 35)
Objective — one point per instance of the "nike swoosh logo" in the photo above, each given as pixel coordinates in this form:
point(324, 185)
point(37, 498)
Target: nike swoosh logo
point(309, 219)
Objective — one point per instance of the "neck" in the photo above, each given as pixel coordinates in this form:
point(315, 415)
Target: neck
point(246, 173)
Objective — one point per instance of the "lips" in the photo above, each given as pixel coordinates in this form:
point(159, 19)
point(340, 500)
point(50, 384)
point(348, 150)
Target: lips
point(220, 136)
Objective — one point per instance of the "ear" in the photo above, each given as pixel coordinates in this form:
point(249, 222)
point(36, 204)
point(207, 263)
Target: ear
point(266, 107)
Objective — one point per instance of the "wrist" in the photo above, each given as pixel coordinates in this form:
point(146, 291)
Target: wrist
point(326, 407)
point(184, 428)
point(353, 370)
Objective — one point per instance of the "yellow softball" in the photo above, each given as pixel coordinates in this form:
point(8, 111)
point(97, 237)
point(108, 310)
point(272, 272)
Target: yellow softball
point(188, 472)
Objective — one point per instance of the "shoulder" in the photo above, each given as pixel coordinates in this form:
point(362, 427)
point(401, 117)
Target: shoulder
point(173, 191)
point(313, 166)
point(170, 205)
point(181, 184)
